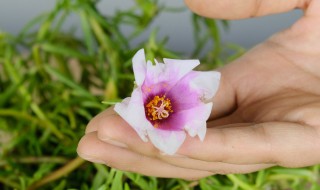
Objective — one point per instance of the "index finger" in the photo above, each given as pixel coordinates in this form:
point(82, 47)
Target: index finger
point(242, 9)
point(95, 122)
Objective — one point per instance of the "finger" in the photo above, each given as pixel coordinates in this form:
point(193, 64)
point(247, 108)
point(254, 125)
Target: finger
point(95, 122)
point(214, 167)
point(243, 9)
point(119, 131)
point(281, 143)
point(227, 120)
point(92, 149)
point(116, 129)
point(313, 9)
point(224, 101)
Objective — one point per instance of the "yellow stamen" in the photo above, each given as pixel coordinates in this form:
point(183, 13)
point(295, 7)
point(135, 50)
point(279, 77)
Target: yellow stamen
point(158, 108)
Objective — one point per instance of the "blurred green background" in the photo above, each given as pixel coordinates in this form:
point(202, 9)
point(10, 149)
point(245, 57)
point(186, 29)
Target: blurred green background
point(52, 82)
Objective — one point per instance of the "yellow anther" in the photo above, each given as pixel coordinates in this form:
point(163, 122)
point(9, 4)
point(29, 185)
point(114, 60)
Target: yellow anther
point(158, 108)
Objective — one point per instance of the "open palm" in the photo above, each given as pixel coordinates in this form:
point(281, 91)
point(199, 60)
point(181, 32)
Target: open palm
point(266, 112)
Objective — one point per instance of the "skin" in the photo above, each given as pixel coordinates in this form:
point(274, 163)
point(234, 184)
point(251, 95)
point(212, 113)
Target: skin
point(266, 111)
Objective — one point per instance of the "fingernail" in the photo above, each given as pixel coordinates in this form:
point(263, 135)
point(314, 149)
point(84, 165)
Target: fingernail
point(92, 159)
point(115, 143)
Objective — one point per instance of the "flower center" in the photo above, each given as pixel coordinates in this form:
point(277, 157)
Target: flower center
point(158, 108)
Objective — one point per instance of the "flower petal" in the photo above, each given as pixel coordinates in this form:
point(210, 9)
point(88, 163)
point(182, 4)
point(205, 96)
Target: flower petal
point(167, 141)
point(179, 68)
point(187, 91)
point(206, 83)
point(139, 67)
point(197, 128)
point(154, 75)
point(182, 96)
point(196, 87)
point(167, 74)
point(194, 119)
point(132, 111)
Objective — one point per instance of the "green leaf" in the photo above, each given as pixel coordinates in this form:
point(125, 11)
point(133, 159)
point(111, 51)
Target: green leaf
point(139, 180)
point(117, 181)
point(88, 36)
point(60, 77)
point(63, 50)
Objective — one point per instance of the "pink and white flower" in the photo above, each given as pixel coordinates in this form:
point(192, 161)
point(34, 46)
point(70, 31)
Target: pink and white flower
point(169, 100)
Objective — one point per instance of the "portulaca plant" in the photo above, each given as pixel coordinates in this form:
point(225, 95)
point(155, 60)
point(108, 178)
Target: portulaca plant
point(169, 101)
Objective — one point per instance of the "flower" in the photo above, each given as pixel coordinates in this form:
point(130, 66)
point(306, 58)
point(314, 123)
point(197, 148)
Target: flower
point(169, 100)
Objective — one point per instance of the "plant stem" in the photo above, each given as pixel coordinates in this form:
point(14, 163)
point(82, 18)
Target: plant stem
point(35, 160)
point(240, 183)
point(69, 167)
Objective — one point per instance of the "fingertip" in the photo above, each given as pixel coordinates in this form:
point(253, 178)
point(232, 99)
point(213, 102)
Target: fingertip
point(216, 8)
point(91, 126)
point(82, 145)
point(87, 148)
point(197, 7)
point(116, 131)
point(94, 123)
point(114, 127)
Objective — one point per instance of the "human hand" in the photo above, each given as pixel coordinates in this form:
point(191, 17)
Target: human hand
point(265, 113)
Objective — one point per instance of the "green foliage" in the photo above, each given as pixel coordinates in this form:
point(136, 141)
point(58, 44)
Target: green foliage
point(52, 83)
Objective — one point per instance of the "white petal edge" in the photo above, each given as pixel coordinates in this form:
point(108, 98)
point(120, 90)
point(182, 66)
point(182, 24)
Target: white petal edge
point(200, 130)
point(132, 111)
point(179, 67)
point(139, 67)
point(198, 125)
point(206, 83)
point(155, 73)
point(168, 142)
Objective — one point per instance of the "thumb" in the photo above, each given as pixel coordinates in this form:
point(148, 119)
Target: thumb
point(237, 9)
